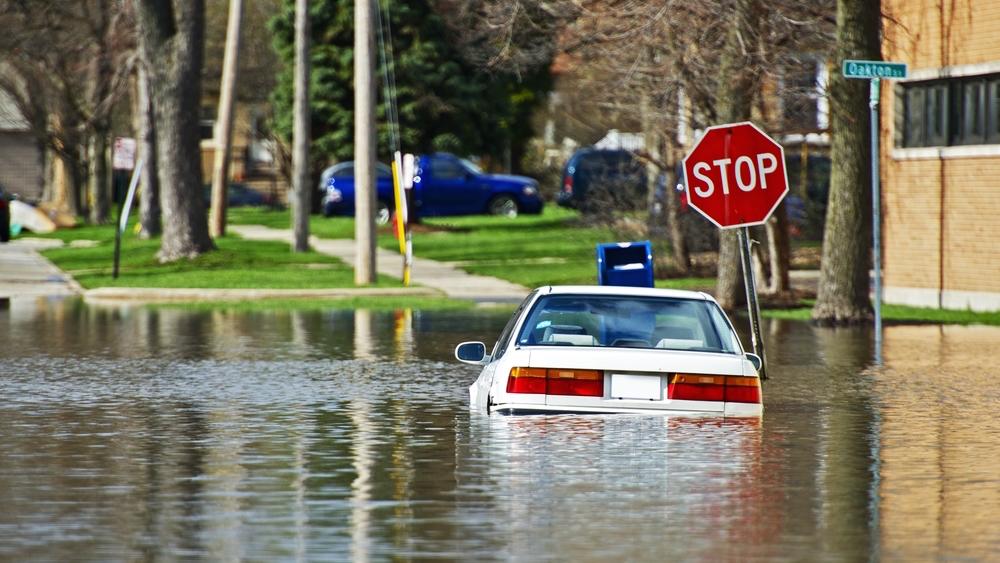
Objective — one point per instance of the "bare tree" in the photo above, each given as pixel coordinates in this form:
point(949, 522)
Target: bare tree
point(670, 66)
point(67, 64)
point(173, 30)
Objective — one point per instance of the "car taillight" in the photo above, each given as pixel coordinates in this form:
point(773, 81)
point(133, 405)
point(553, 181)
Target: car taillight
point(526, 380)
point(568, 184)
point(578, 382)
point(731, 389)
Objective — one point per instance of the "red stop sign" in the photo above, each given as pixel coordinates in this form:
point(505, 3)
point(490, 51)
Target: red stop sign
point(735, 175)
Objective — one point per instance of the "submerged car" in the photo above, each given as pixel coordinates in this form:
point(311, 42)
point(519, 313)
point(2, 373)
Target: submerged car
point(606, 349)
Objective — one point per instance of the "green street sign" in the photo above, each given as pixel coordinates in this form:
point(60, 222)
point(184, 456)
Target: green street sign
point(874, 69)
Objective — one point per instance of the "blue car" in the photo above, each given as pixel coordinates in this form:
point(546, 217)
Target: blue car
point(443, 185)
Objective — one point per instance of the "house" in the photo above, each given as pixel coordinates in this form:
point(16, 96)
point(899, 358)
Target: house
point(21, 165)
point(940, 139)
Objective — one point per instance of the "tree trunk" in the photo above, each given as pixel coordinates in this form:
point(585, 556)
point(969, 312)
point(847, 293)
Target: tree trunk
point(843, 286)
point(778, 251)
point(301, 185)
point(98, 178)
point(224, 122)
point(149, 196)
point(174, 32)
point(678, 242)
point(734, 102)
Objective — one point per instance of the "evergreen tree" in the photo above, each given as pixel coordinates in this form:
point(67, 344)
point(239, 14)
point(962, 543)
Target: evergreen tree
point(444, 102)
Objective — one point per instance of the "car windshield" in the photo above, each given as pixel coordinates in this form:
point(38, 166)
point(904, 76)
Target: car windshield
point(346, 170)
point(468, 165)
point(628, 322)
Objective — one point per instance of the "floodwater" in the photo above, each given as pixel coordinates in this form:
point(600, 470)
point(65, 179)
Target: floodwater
point(341, 435)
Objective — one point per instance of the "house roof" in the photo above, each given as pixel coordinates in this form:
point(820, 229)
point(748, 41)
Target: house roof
point(10, 117)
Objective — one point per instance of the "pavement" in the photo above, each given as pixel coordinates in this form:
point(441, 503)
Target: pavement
point(26, 273)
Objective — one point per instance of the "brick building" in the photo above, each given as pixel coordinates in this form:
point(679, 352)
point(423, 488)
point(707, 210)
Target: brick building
point(941, 154)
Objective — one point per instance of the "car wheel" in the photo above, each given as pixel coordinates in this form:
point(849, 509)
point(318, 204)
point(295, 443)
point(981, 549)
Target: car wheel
point(382, 213)
point(504, 206)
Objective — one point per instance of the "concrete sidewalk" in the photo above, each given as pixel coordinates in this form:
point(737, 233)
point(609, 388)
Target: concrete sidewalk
point(453, 282)
point(26, 273)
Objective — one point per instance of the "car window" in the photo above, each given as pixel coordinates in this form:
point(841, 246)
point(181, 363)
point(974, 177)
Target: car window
point(347, 171)
point(501, 345)
point(446, 169)
point(632, 322)
point(470, 166)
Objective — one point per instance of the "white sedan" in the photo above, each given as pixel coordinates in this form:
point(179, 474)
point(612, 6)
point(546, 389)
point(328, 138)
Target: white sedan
point(616, 350)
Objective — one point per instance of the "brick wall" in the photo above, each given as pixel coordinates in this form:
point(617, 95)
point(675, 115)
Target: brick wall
point(941, 213)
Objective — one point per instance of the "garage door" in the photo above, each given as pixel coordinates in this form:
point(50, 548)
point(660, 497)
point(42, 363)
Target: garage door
point(20, 166)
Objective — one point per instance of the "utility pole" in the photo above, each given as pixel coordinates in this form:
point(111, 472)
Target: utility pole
point(364, 143)
point(300, 134)
point(224, 122)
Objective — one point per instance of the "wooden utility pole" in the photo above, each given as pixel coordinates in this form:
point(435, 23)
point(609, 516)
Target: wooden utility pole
point(300, 134)
point(224, 121)
point(364, 143)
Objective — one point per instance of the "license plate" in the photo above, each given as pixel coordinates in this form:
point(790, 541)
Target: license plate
point(642, 387)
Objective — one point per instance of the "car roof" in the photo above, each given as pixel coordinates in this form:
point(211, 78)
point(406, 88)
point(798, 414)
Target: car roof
point(625, 291)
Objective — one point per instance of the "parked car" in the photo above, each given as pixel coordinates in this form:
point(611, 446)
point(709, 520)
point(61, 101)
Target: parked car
point(4, 216)
point(337, 184)
point(443, 185)
point(611, 349)
point(595, 179)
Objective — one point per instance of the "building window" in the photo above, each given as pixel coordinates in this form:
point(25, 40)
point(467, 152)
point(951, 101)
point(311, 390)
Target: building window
point(801, 92)
point(993, 111)
point(956, 111)
point(206, 124)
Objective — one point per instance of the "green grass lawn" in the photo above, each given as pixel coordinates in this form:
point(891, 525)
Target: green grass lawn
point(901, 314)
point(235, 264)
point(323, 227)
point(531, 250)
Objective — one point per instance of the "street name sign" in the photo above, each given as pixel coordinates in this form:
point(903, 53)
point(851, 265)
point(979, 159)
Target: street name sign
point(735, 175)
point(874, 69)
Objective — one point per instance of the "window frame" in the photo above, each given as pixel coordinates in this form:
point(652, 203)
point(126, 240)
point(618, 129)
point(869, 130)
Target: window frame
point(949, 112)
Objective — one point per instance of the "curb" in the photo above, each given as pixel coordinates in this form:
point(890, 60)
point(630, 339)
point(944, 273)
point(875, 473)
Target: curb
point(161, 295)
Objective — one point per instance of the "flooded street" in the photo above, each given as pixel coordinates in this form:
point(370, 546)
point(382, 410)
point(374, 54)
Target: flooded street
point(345, 435)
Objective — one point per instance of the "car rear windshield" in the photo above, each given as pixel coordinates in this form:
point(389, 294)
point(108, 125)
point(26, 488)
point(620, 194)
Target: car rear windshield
point(628, 322)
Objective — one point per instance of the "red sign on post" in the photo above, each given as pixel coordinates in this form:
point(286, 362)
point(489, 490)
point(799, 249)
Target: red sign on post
point(736, 175)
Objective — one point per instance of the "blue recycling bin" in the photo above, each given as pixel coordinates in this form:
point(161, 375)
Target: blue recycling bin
point(625, 263)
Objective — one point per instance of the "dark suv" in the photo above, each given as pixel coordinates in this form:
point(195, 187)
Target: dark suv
point(596, 179)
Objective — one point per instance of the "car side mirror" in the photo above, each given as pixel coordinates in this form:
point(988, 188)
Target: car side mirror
point(755, 360)
point(471, 353)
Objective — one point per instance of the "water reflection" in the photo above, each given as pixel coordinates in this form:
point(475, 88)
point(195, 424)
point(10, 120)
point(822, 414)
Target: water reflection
point(940, 476)
point(341, 435)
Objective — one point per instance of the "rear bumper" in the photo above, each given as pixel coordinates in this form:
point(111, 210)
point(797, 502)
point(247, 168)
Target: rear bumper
point(565, 199)
point(732, 410)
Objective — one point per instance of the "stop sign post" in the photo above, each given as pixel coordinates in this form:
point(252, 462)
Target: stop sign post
point(735, 176)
